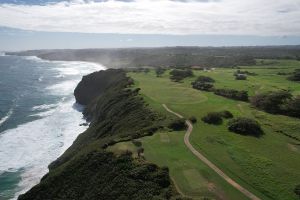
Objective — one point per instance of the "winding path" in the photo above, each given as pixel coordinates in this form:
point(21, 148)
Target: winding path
point(209, 163)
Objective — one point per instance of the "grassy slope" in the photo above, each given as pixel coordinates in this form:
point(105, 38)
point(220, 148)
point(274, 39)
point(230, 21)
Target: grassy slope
point(267, 166)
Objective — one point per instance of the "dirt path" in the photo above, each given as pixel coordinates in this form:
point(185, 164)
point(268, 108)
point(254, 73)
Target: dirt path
point(207, 162)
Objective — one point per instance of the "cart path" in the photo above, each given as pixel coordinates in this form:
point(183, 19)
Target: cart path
point(200, 156)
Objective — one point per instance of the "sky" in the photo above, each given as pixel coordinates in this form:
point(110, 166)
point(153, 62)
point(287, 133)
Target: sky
point(39, 24)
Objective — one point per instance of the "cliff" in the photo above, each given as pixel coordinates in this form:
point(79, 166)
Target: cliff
point(86, 171)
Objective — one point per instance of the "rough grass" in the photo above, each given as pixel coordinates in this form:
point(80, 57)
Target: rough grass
point(266, 166)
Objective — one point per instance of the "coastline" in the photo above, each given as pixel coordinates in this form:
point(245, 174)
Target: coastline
point(52, 129)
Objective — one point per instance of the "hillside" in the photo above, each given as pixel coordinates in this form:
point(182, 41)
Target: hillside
point(86, 170)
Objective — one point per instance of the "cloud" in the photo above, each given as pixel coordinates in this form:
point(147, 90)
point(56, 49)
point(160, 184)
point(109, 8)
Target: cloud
point(231, 17)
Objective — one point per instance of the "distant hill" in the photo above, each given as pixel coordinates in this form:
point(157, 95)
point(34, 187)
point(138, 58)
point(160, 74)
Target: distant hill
point(169, 56)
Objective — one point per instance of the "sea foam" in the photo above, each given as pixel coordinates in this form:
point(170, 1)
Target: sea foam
point(32, 146)
point(7, 116)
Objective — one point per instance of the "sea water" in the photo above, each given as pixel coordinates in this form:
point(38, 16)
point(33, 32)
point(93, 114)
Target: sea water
point(39, 119)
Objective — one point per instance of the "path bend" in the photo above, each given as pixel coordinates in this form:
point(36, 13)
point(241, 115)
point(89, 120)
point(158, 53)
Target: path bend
point(201, 157)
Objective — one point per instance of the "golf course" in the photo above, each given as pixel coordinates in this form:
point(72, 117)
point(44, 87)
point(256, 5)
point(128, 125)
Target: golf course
point(265, 166)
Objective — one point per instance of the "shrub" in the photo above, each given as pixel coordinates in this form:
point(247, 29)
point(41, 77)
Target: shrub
point(292, 107)
point(282, 73)
point(241, 77)
point(232, 94)
point(226, 114)
point(202, 86)
point(159, 71)
point(177, 125)
point(295, 76)
point(205, 79)
point(245, 126)
point(271, 102)
point(203, 83)
point(140, 151)
point(244, 73)
point(213, 118)
point(279, 102)
point(178, 75)
point(137, 143)
point(193, 119)
point(297, 190)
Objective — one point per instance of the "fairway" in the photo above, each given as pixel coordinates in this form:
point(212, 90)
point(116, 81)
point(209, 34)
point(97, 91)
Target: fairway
point(164, 91)
point(255, 163)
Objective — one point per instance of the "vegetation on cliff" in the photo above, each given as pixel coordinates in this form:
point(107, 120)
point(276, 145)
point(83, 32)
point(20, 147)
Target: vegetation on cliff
point(86, 171)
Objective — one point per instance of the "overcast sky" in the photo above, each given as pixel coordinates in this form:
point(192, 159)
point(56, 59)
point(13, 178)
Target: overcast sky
point(235, 18)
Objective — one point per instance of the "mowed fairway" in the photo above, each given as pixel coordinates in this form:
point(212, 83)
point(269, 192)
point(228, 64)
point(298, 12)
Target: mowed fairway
point(162, 90)
point(267, 166)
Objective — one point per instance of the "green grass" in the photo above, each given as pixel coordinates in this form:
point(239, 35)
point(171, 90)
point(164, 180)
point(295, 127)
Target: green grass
point(268, 166)
point(192, 177)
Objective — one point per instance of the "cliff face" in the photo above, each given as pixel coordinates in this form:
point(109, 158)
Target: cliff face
point(93, 85)
point(86, 170)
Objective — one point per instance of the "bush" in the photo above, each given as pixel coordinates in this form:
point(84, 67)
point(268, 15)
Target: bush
point(178, 75)
point(193, 119)
point(232, 94)
point(271, 102)
point(292, 107)
point(213, 118)
point(282, 73)
point(177, 125)
point(240, 77)
point(295, 76)
point(245, 126)
point(297, 190)
point(203, 83)
point(279, 102)
point(202, 86)
point(137, 143)
point(205, 79)
point(226, 114)
point(244, 73)
point(140, 151)
point(159, 71)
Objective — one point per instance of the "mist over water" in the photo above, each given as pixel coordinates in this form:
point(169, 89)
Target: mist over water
point(39, 119)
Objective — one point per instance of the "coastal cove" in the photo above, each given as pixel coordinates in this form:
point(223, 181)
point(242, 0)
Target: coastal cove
point(39, 119)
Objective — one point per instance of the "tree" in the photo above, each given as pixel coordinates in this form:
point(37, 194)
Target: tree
point(245, 126)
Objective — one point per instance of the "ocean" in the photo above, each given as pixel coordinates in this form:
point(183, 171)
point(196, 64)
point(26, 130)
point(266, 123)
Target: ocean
point(39, 118)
